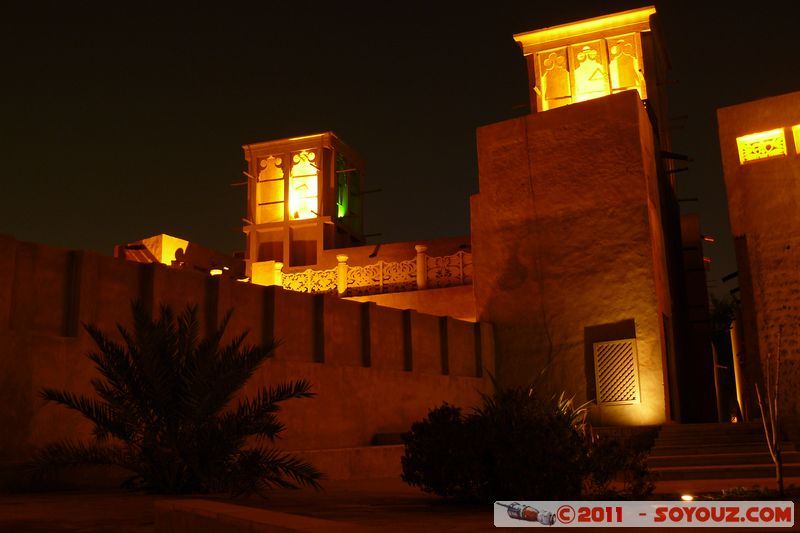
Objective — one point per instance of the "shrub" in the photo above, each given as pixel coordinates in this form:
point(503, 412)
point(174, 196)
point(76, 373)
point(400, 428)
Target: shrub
point(519, 447)
point(436, 458)
point(513, 446)
point(620, 461)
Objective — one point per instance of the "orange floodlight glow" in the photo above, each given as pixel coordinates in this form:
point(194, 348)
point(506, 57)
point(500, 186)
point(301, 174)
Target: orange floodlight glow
point(761, 145)
point(588, 59)
point(633, 20)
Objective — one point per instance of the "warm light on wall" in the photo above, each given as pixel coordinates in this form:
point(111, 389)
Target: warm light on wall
point(796, 135)
point(616, 370)
point(635, 20)
point(589, 70)
point(167, 247)
point(588, 59)
point(762, 145)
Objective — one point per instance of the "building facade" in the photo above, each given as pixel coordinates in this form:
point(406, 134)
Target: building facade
point(760, 146)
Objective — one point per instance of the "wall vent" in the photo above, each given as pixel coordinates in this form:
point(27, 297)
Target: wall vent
point(616, 372)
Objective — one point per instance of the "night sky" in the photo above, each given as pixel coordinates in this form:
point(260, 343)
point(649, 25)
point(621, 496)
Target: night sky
point(122, 120)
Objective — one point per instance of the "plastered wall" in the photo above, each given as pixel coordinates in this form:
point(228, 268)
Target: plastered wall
point(567, 242)
point(763, 205)
point(375, 369)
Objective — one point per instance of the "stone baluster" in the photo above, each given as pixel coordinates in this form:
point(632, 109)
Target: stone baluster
point(422, 266)
point(341, 274)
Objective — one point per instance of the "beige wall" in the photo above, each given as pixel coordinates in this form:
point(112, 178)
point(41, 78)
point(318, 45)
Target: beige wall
point(457, 302)
point(371, 366)
point(566, 240)
point(395, 251)
point(763, 205)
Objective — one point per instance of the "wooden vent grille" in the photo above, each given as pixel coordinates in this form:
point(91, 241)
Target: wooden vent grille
point(616, 373)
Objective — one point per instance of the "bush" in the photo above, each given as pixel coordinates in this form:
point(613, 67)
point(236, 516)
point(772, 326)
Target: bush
point(514, 446)
point(620, 461)
point(520, 447)
point(436, 458)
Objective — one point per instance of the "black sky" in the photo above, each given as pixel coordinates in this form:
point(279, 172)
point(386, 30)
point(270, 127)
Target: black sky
point(120, 120)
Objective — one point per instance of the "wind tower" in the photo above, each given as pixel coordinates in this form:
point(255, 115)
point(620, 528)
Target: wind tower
point(575, 230)
point(303, 196)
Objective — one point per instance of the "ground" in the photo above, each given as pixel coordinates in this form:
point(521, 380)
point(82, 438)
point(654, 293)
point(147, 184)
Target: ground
point(387, 505)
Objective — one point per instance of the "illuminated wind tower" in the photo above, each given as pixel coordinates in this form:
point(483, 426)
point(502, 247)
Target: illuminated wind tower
point(303, 196)
point(581, 270)
point(592, 58)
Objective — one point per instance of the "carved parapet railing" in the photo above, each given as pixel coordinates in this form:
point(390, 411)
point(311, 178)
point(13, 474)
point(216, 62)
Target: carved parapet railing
point(422, 272)
point(313, 281)
point(449, 270)
point(382, 277)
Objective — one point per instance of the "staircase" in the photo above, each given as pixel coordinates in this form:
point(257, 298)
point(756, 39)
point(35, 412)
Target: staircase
point(717, 451)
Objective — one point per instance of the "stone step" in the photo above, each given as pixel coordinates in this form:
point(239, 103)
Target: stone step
point(710, 429)
point(720, 459)
point(723, 472)
point(365, 462)
point(691, 437)
point(709, 449)
point(710, 440)
point(711, 426)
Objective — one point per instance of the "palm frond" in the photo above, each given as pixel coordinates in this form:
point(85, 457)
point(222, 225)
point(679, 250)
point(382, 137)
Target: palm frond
point(57, 456)
point(164, 392)
point(256, 469)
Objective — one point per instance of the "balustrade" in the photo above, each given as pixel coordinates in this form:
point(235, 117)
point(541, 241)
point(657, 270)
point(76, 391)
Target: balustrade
point(422, 272)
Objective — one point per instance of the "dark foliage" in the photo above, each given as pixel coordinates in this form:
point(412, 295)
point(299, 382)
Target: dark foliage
point(620, 461)
point(165, 411)
point(436, 458)
point(514, 446)
point(520, 447)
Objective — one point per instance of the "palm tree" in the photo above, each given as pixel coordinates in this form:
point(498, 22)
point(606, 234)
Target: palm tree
point(165, 411)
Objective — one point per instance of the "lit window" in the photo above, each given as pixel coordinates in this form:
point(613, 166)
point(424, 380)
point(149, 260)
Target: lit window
point(796, 135)
point(303, 189)
point(269, 190)
point(342, 193)
point(590, 70)
point(623, 65)
point(554, 78)
point(763, 145)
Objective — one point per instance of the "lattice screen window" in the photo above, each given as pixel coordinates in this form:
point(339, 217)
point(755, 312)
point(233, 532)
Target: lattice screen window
point(616, 372)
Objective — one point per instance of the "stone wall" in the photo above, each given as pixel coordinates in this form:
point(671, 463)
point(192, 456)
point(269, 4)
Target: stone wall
point(763, 204)
point(568, 249)
point(374, 369)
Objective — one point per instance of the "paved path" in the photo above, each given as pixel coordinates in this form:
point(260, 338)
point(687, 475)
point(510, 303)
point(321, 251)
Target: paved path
point(386, 504)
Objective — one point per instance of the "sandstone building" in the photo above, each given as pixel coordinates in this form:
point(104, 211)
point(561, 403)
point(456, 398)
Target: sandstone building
point(572, 278)
point(760, 145)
